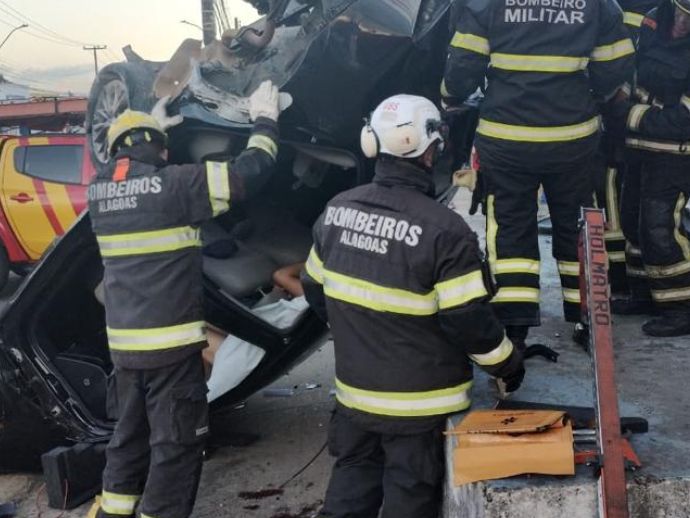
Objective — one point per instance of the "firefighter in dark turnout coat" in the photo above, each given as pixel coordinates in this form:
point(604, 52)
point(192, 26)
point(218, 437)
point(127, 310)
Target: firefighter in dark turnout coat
point(658, 125)
point(146, 215)
point(547, 68)
point(401, 281)
point(609, 168)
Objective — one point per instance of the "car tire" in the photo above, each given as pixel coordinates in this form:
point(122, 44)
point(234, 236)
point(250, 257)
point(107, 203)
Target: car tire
point(117, 87)
point(4, 268)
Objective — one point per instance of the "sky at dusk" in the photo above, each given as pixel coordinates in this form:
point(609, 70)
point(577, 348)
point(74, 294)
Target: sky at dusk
point(49, 55)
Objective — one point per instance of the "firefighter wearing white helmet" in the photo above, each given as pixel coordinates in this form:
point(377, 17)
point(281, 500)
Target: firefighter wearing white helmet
point(401, 281)
point(146, 215)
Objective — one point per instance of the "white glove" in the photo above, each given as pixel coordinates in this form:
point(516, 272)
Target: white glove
point(267, 102)
point(160, 113)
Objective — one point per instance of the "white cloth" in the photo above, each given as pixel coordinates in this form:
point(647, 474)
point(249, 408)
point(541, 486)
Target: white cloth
point(236, 359)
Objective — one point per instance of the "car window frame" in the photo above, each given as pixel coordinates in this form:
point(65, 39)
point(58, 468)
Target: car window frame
point(25, 148)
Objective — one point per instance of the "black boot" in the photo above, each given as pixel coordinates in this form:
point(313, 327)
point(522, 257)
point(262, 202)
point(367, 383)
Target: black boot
point(668, 325)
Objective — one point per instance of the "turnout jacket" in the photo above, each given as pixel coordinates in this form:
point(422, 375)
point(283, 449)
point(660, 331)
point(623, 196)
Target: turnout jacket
point(634, 12)
point(547, 64)
point(146, 216)
point(401, 281)
point(659, 121)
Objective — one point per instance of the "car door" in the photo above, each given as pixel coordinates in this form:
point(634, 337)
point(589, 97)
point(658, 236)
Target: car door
point(43, 188)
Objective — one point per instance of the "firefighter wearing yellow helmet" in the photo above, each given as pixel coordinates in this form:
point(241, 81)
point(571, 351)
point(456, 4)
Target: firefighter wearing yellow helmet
point(146, 215)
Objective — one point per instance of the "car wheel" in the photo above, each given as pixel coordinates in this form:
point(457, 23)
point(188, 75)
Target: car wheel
point(4, 268)
point(119, 86)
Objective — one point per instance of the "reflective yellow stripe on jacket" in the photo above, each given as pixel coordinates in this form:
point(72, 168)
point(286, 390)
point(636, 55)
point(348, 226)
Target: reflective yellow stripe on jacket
point(314, 266)
point(117, 504)
point(156, 339)
point(613, 51)
point(263, 143)
point(471, 42)
point(149, 242)
point(448, 294)
point(528, 63)
point(405, 404)
point(538, 133)
point(500, 354)
point(633, 19)
point(218, 178)
point(376, 297)
point(461, 290)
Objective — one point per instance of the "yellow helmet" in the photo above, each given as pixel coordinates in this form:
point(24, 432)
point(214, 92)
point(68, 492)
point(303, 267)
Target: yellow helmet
point(128, 122)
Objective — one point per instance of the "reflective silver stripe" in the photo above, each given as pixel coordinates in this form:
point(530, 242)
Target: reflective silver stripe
point(569, 268)
point(538, 133)
point(613, 51)
point(517, 265)
point(405, 404)
point(155, 339)
point(500, 354)
point(614, 235)
point(617, 257)
point(263, 143)
point(612, 206)
point(218, 178)
point(636, 114)
point(471, 42)
point(636, 272)
point(444, 89)
point(505, 295)
point(685, 101)
point(633, 250)
point(314, 266)
point(642, 94)
point(661, 272)
point(674, 148)
point(113, 503)
point(461, 290)
point(633, 19)
point(671, 295)
point(377, 297)
point(153, 242)
point(571, 295)
point(528, 63)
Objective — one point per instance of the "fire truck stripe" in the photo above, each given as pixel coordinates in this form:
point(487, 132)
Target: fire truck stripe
point(47, 207)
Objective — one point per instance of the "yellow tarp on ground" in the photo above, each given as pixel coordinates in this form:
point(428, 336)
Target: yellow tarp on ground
point(493, 444)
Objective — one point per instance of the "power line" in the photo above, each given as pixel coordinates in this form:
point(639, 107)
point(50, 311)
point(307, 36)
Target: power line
point(39, 26)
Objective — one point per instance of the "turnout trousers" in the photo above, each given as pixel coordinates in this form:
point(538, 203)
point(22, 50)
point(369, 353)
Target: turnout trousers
point(401, 473)
point(607, 177)
point(512, 237)
point(665, 185)
point(153, 461)
point(638, 285)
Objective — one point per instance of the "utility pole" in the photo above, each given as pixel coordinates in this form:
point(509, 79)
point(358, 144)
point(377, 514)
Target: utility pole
point(95, 49)
point(208, 21)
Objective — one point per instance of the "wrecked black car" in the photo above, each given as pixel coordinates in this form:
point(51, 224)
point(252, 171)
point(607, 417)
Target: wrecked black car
point(338, 59)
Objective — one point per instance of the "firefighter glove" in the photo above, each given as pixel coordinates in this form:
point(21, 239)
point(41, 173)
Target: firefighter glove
point(160, 113)
point(267, 102)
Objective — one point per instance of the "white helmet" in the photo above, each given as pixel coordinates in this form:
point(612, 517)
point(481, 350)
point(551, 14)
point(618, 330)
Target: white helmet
point(403, 126)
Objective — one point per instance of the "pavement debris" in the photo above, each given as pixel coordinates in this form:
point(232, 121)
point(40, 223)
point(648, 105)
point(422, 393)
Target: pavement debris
point(279, 392)
point(260, 495)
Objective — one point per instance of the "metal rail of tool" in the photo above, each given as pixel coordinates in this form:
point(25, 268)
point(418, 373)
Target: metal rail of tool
point(595, 292)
